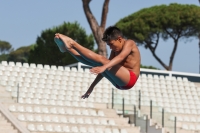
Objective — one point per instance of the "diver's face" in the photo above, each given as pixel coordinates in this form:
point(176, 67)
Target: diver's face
point(115, 45)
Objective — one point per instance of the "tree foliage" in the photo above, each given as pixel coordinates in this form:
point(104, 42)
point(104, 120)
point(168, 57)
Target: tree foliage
point(5, 47)
point(4, 57)
point(46, 50)
point(149, 67)
point(20, 55)
point(149, 25)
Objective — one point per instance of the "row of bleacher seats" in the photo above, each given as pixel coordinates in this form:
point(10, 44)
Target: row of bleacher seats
point(63, 90)
point(45, 73)
point(173, 108)
point(171, 100)
point(53, 110)
point(175, 100)
point(172, 104)
point(61, 68)
point(191, 127)
point(56, 79)
point(68, 85)
point(66, 102)
point(132, 95)
point(186, 119)
point(73, 129)
point(60, 102)
point(162, 77)
point(159, 100)
point(175, 90)
point(164, 84)
point(32, 65)
point(185, 105)
point(179, 83)
point(171, 95)
point(60, 76)
point(69, 95)
point(66, 120)
point(183, 111)
point(62, 86)
point(99, 88)
point(64, 79)
point(29, 72)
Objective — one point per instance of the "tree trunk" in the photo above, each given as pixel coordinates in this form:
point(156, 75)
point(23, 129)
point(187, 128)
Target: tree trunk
point(153, 49)
point(97, 29)
point(173, 54)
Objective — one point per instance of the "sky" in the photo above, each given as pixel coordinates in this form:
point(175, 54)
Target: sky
point(22, 21)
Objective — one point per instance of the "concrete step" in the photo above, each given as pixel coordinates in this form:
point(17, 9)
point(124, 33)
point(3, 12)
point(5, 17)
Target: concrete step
point(8, 131)
point(7, 100)
point(118, 121)
point(107, 112)
point(130, 129)
point(5, 123)
point(6, 126)
point(5, 94)
point(197, 84)
point(179, 130)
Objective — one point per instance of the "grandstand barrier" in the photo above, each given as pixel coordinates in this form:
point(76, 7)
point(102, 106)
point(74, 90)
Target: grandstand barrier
point(112, 98)
point(147, 122)
point(137, 119)
point(139, 104)
point(150, 109)
point(123, 107)
point(18, 93)
point(175, 124)
point(135, 115)
point(163, 125)
point(157, 113)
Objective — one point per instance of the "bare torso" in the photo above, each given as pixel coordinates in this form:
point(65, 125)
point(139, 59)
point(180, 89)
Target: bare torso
point(132, 61)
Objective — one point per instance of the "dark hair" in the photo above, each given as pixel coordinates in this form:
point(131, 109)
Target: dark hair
point(111, 33)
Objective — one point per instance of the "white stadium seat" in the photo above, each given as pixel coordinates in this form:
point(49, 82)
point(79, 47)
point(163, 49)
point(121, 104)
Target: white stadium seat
point(25, 65)
point(31, 127)
point(18, 64)
point(40, 128)
point(49, 128)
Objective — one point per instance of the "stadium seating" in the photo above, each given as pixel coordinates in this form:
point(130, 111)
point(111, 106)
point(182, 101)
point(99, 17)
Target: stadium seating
point(178, 96)
point(48, 99)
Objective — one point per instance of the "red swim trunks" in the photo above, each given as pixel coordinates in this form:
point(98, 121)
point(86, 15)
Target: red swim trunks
point(132, 81)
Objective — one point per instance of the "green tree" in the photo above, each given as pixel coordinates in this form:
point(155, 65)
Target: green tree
point(97, 29)
point(149, 67)
point(4, 57)
point(5, 47)
point(21, 54)
point(47, 52)
point(149, 25)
